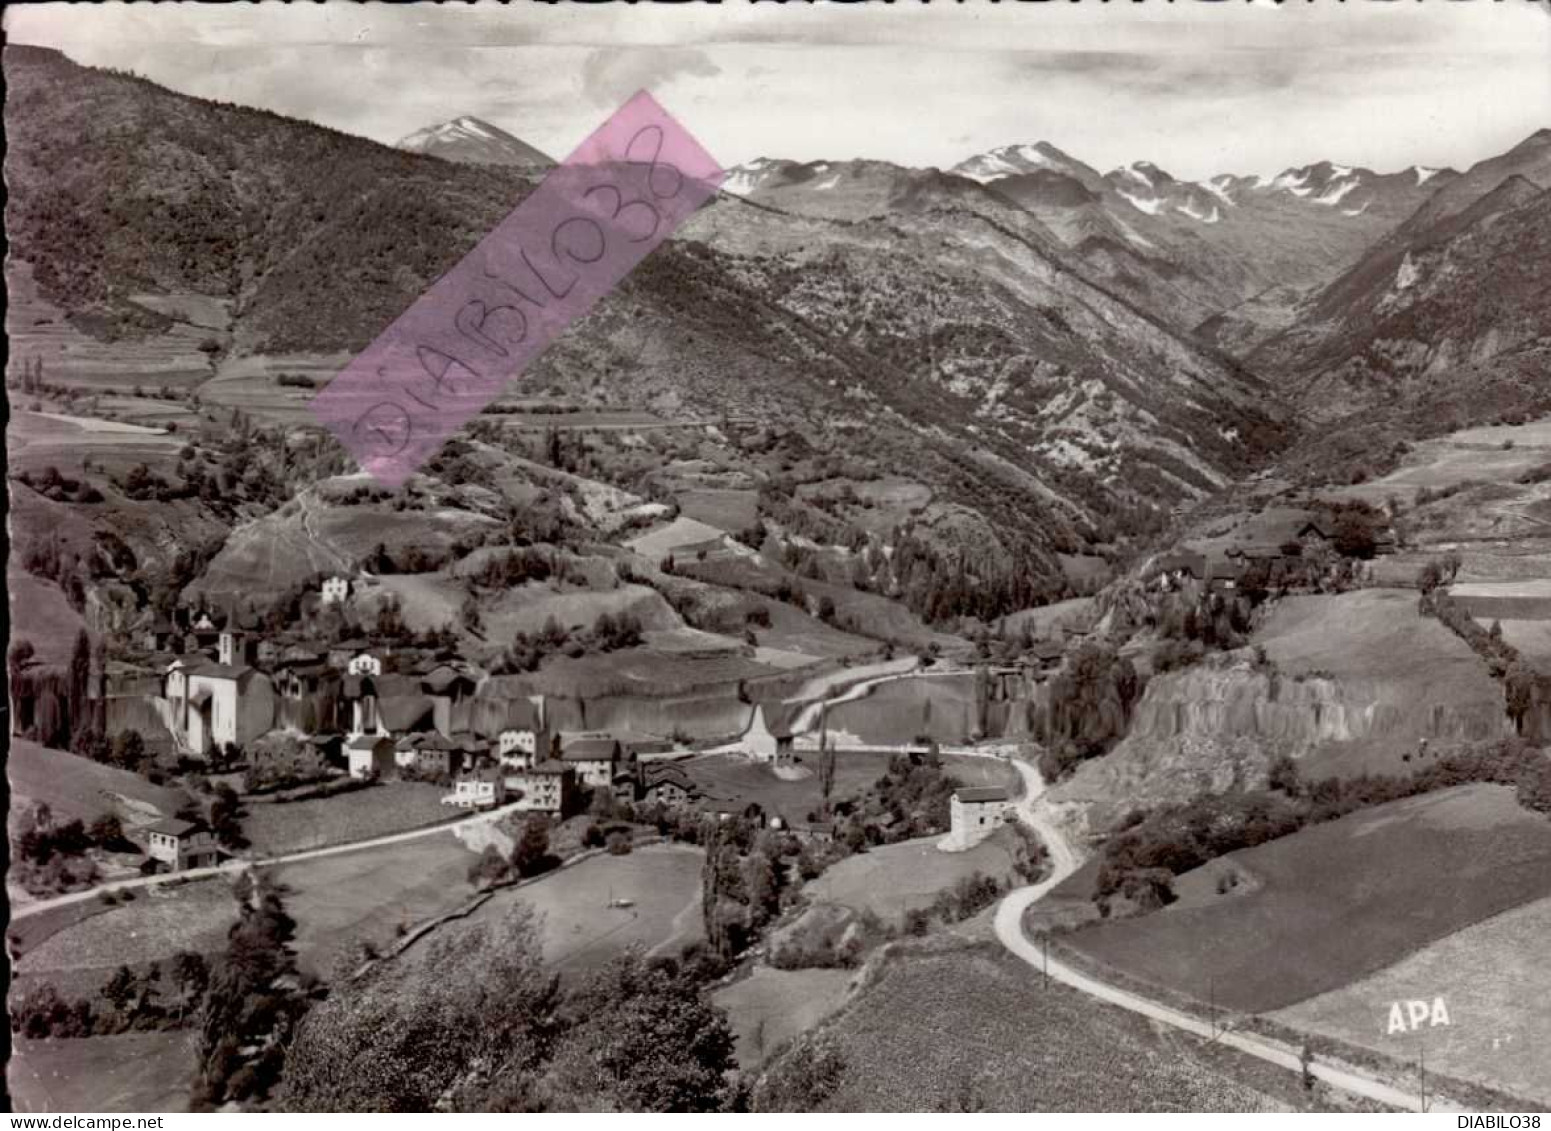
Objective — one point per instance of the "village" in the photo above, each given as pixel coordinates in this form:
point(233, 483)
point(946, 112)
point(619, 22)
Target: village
point(227, 703)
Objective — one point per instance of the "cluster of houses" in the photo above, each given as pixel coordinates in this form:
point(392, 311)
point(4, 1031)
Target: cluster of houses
point(214, 689)
point(1283, 545)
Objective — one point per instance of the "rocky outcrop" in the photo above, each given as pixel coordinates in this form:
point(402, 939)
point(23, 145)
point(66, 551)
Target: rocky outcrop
point(1220, 726)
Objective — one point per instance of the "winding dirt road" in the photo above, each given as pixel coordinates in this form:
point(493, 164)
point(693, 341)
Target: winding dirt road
point(1009, 931)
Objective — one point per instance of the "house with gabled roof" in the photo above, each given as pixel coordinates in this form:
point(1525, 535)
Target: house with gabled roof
point(667, 784)
point(179, 845)
point(369, 754)
point(478, 789)
point(594, 755)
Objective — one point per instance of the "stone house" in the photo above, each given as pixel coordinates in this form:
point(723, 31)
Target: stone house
point(976, 812)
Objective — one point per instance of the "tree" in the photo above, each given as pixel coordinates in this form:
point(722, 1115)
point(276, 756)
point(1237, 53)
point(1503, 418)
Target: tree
point(190, 976)
point(1353, 535)
point(80, 677)
point(106, 830)
point(467, 1028)
point(1519, 691)
point(647, 1039)
point(531, 855)
point(226, 817)
point(119, 990)
point(249, 1014)
point(128, 749)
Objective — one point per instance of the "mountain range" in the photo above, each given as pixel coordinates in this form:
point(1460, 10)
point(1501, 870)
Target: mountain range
point(1061, 355)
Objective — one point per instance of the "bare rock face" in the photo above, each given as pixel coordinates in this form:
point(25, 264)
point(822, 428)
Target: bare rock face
point(1220, 726)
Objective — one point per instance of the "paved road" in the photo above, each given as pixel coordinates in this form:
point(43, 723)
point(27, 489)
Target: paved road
point(1009, 931)
point(232, 867)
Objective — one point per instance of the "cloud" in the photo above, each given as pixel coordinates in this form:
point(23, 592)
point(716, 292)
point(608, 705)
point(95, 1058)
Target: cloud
point(612, 74)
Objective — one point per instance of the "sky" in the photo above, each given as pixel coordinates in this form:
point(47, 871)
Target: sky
point(1198, 88)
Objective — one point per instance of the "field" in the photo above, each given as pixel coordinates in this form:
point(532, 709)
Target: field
point(726, 508)
point(526, 608)
point(898, 712)
point(37, 441)
point(130, 1072)
point(771, 1006)
point(729, 776)
point(672, 538)
point(895, 878)
point(581, 931)
point(1047, 620)
point(40, 614)
point(794, 631)
point(158, 923)
point(74, 786)
point(1531, 637)
point(1494, 982)
point(1402, 676)
point(298, 826)
point(340, 900)
point(1337, 902)
point(972, 1029)
point(1520, 600)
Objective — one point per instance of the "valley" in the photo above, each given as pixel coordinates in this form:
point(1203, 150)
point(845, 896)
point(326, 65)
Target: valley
point(908, 581)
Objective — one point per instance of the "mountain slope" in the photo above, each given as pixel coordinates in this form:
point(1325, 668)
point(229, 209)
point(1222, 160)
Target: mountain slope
point(474, 142)
point(1463, 279)
point(931, 325)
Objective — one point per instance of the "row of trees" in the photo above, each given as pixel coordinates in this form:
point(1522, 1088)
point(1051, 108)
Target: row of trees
point(161, 996)
point(1087, 708)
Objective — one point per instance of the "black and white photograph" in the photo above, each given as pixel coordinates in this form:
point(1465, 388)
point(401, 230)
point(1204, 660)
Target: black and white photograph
point(763, 556)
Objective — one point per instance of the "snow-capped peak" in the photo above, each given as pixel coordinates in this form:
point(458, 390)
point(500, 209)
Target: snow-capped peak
point(1011, 160)
point(470, 139)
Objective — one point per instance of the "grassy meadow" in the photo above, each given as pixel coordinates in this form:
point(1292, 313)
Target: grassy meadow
point(1337, 902)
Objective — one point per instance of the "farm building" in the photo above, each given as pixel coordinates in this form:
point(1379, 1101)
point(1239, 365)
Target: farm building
point(1223, 576)
point(181, 844)
point(335, 589)
point(977, 812)
point(666, 784)
point(1173, 571)
point(768, 737)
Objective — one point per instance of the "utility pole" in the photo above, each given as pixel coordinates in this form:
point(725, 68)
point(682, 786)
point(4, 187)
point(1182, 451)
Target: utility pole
point(1044, 946)
point(1421, 1046)
point(1211, 998)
